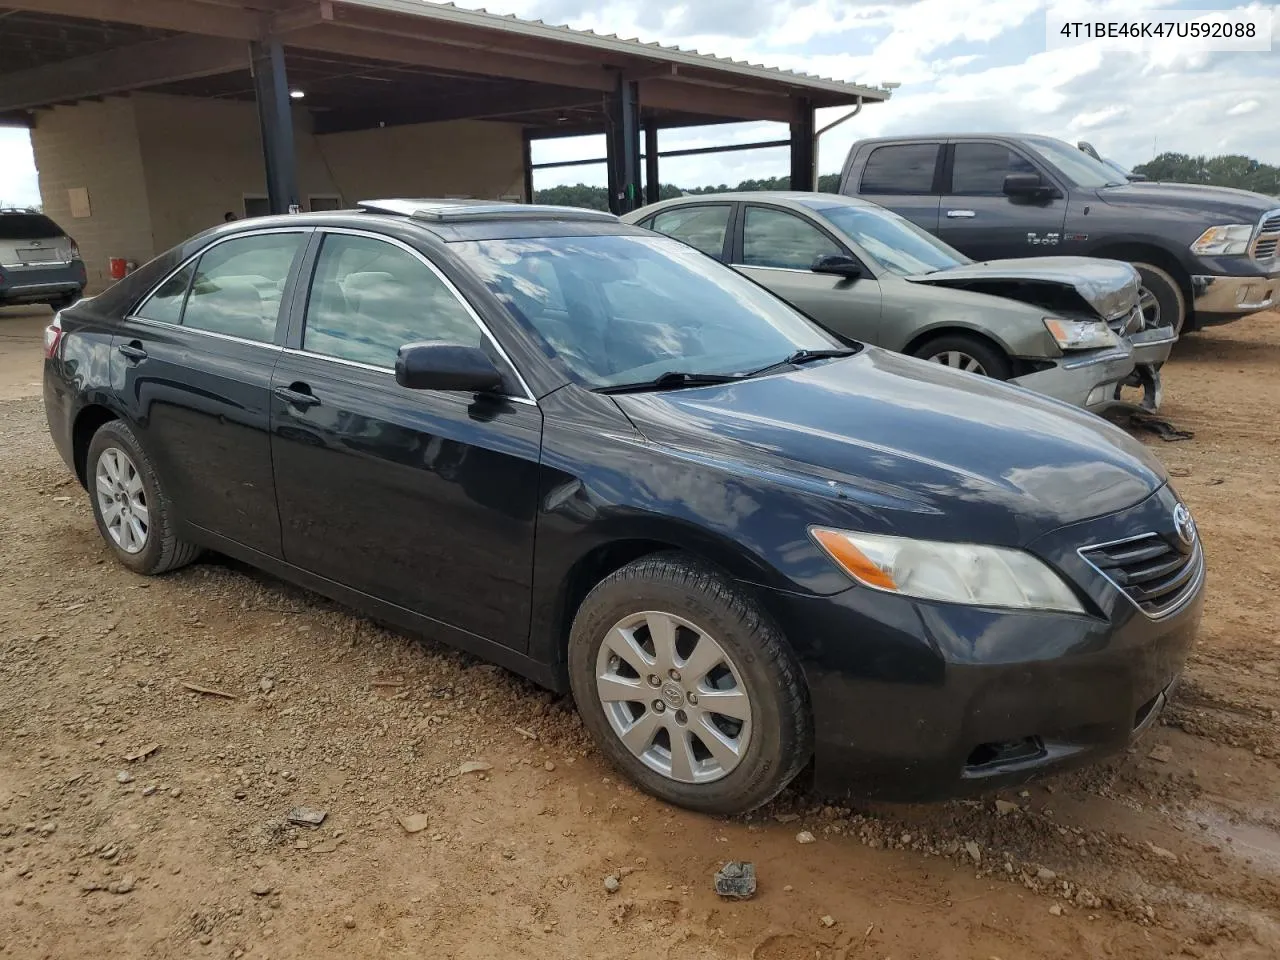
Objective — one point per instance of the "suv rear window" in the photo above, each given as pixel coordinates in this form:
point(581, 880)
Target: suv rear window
point(903, 168)
point(27, 226)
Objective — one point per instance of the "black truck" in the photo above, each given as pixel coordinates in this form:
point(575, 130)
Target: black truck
point(1207, 255)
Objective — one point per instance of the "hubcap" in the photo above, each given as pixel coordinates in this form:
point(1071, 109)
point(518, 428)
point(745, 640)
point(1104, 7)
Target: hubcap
point(121, 500)
point(1150, 308)
point(697, 728)
point(959, 360)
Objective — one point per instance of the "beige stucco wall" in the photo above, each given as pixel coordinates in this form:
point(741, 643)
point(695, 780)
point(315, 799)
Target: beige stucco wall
point(202, 157)
point(161, 168)
point(95, 146)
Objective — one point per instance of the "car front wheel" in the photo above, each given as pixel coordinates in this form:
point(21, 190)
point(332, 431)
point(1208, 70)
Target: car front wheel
point(688, 687)
point(964, 352)
point(129, 503)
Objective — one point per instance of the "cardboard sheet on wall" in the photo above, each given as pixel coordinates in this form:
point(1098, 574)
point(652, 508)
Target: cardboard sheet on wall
point(79, 200)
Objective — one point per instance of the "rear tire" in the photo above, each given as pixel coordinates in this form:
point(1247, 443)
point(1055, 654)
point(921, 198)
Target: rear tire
point(1161, 298)
point(67, 300)
point(962, 351)
point(129, 504)
point(753, 674)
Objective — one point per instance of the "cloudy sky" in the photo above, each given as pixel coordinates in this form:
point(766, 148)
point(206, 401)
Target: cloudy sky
point(962, 67)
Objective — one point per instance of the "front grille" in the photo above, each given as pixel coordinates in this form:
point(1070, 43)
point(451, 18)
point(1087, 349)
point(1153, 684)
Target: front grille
point(1151, 572)
point(1267, 237)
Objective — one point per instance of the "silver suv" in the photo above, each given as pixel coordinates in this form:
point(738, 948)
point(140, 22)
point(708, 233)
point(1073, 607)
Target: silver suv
point(39, 263)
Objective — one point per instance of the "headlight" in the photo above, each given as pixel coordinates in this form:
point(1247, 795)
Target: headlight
point(1080, 334)
point(1226, 240)
point(952, 572)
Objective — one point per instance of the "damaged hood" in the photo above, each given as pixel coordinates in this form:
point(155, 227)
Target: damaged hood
point(1108, 287)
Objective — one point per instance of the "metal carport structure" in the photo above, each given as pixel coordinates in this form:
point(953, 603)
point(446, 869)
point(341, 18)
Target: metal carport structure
point(368, 64)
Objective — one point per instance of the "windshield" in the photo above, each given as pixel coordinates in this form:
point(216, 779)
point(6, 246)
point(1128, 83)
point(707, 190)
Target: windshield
point(27, 226)
point(1076, 165)
point(625, 309)
point(893, 242)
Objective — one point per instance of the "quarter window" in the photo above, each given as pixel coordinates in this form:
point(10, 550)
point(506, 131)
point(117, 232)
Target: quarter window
point(902, 169)
point(775, 238)
point(369, 298)
point(979, 169)
point(165, 305)
point(239, 284)
point(701, 227)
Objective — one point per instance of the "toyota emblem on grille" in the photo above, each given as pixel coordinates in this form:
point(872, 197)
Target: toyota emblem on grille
point(1184, 525)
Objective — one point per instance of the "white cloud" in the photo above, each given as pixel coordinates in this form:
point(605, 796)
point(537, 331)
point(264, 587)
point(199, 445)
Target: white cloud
point(1244, 108)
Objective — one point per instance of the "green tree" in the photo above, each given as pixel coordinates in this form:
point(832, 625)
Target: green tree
point(1228, 170)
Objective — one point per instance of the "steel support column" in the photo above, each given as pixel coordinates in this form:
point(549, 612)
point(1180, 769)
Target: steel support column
point(526, 154)
point(652, 185)
point(624, 147)
point(802, 146)
point(275, 117)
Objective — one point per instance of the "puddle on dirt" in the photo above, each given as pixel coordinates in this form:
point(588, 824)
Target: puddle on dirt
point(1241, 837)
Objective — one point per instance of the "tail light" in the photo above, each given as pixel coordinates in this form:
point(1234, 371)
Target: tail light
point(75, 249)
point(53, 338)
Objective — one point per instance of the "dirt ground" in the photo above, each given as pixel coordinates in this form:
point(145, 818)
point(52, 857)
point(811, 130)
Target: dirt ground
point(186, 852)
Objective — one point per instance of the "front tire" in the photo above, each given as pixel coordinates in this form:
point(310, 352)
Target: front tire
point(1161, 298)
point(688, 687)
point(129, 503)
point(962, 351)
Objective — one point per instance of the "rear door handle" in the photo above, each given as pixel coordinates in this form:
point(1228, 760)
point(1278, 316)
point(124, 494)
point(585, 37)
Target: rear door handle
point(133, 351)
point(960, 214)
point(297, 395)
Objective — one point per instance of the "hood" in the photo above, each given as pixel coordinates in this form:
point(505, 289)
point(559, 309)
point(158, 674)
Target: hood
point(1109, 288)
point(897, 445)
point(1243, 206)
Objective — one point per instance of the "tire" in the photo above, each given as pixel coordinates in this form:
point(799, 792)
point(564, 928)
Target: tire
point(991, 360)
point(115, 450)
point(1161, 298)
point(66, 300)
point(774, 729)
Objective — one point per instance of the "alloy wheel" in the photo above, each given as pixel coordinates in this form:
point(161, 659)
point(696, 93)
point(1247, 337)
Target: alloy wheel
point(959, 360)
point(674, 697)
point(122, 500)
point(1150, 307)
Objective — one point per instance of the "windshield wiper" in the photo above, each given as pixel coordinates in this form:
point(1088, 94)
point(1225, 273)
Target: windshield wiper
point(805, 356)
point(671, 380)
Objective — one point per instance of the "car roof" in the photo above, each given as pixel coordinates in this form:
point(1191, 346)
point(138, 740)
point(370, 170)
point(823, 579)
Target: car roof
point(447, 219)
point(786, 198)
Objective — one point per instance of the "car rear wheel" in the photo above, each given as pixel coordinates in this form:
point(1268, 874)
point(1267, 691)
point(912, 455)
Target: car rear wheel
point(64, 301)
point(1160, 298)
point(129, 503)
point(688, 687)
point(963, 352)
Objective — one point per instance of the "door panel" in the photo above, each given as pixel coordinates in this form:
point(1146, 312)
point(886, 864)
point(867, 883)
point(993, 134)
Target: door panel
point(199, 398)
point(778, 247)
point(981, 222)
point(425, 499)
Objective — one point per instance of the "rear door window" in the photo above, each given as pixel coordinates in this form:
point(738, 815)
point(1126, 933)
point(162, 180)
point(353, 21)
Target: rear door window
point(902, 169)
point(702, 227)
point(28, 226)
point(239, 284)
point(979, 169)
point(165, 305)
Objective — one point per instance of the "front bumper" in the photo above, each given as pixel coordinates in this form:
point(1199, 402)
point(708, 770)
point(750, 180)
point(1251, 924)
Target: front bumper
point(919, 701)
point(1086, 379)
point(1218, 299)
point(37, 282)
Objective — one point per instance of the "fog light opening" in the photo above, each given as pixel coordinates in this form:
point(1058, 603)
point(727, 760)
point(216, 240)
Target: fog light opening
point(1000, 752)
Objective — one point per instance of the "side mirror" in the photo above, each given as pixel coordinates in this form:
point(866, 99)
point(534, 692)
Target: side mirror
point(838, 265)
point(446, 366)
point(1024, 185)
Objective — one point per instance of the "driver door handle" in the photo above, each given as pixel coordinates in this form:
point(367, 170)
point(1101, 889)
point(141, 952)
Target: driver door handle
point(960, 214)
point(133, 350)
point(297, 395)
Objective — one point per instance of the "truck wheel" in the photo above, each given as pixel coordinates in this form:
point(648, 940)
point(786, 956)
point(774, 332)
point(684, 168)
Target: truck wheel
point(688, 686)
point(965, 352)
point(1161, 298)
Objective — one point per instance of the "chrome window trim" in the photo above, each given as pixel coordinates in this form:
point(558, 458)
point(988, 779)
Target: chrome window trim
point(448, 285)
point(164, 325)
point(752, 266)
point(1181, 600)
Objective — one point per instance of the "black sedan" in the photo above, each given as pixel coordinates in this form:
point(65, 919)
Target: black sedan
point(605, 461)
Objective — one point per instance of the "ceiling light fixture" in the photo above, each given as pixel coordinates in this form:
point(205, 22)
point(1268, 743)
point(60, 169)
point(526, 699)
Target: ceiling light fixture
point(297, 94)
